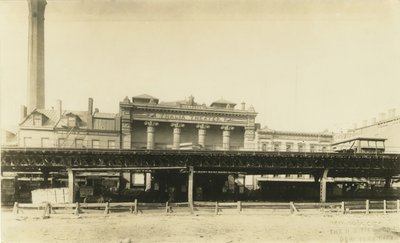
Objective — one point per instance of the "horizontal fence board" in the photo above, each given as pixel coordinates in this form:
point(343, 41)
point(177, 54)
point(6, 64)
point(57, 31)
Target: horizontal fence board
point(122, 204)
point(222, 204)
point(92, 205)
point(63, 205)
point(264, 204)
point(31, 205)
point(151, 204)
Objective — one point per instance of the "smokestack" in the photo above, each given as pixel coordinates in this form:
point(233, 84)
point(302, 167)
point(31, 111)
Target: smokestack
point(59, 107)
point(36, 97)
point(23, 112)
point(90, 106)
point(243, 106)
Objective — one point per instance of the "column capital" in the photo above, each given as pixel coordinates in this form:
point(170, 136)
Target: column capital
point(202, 126)
point(151, 123)
point(227, 128)
point(177, 125)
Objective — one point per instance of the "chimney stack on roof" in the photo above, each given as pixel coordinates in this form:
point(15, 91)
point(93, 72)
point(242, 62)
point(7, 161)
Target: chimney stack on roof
point(243, 106)
point(382, 116)
point(23, 112)
point(90, 106)
point(59, 107)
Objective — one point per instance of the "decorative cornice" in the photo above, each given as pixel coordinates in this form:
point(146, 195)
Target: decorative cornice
point(177, 125)
point(151, 123)
point(227, 128)
point(202, 126)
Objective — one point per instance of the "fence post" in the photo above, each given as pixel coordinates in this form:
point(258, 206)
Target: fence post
point(342, 208)
point(131, 208)
point(291, 208)
point(107, 209)
point(77, 208)
point(398, 206)
point(166, 207)
point(216, 208)
point(16, 209)
point(46, 213)
point(384, 206)
point(136, 206)
point(367, 206)
point(239, 206)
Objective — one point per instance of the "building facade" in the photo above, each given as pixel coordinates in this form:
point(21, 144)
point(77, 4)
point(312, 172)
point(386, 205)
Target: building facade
point(386, 126)
point(145, 123)
point(273, 140)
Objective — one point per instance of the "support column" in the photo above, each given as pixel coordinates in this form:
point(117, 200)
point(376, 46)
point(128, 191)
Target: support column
point(249, 136)
point(202, 134)
point(151, 127)
point(190, 189)
point(126, 139)
point(388, 182)
point(226, 135)
point(148, 182)
point(71, 185)
point(322, 188)
point(45, 179)
point(177, 135)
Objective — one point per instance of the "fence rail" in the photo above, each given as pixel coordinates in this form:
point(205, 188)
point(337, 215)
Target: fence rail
point(217, 207)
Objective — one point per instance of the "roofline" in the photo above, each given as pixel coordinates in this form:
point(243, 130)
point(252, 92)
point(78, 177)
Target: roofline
point(360, 138)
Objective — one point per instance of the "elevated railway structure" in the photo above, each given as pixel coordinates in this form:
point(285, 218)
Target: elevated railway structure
point(190, 162)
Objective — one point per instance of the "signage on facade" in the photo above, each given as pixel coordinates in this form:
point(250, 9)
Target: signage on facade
point(190, 117)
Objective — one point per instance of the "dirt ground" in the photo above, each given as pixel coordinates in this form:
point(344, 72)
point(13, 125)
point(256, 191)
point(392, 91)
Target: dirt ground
point(160, 227)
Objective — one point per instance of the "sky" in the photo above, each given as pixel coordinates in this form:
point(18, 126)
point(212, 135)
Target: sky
point(304, 65)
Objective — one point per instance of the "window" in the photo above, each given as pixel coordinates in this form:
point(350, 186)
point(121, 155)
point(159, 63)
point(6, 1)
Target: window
point(323, 149)
point(111, 144)
point(276, 147)
point(288, 147)
point(37, 120)
point(61, 142)
point(71, 121)
point(78, 143)
point(312, 148)
point(45, 143)
point(95, 144)
point(301, 147)
point(264, 147)
point(138, 179)
point(27, 142)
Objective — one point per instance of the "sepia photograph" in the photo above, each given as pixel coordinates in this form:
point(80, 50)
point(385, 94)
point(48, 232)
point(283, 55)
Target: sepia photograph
point(200, 121)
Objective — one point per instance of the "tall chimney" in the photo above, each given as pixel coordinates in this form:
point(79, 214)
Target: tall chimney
point(36, 55)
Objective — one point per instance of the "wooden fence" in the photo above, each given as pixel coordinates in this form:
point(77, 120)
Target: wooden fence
point(216, 207)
